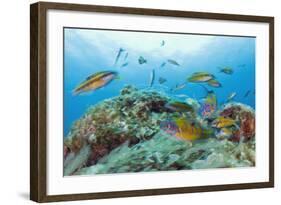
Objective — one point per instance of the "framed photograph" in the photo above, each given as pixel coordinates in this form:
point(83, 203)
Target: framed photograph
point(134, 102)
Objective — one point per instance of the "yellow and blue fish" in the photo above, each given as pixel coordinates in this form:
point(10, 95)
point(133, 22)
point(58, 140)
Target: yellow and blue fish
point(184, 129)
point(199, 77)
point(214, 83)
point(95, 81)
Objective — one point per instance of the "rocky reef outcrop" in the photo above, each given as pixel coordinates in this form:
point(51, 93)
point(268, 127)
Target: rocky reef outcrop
point(123, 134)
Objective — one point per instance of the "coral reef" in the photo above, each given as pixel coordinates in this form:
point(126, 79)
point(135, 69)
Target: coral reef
point(164, 152)
point(245, 118)
point(123, 134)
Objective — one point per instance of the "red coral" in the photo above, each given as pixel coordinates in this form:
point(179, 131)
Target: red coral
point(245, 119)
point(247, 125)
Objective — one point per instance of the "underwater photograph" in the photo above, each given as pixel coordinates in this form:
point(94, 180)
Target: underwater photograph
point(143, 101)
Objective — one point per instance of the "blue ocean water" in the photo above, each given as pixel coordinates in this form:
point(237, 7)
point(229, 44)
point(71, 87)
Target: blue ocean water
point(87, 51)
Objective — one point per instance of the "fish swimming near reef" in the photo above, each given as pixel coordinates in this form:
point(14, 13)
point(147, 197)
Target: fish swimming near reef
point(247, 93)
point(124, 64)
point(163, 64)
point(178, 87)
point(173, 62)
point(177, 106)
point(231, 96)
point(185, 129)
point(208, 104)
point(226, 70)
point(95, 81)
point(214, 83)
point(162, 43)
point(181, 96)
point(126, 56)
point(221, 122)
point(162, 80)
point(152, 77)
point(121, 50)
point(199, 77)
point(142, 60)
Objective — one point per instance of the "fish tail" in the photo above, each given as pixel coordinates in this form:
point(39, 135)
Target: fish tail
point(75, 92)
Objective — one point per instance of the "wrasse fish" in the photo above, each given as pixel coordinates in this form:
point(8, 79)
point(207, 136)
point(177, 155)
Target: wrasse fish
point(95, 81)
point(221, 122)
point(200, 77)
point(214, 83)
point(226, 70)
point(142, 60)
point(178, 106)
point(184, 129)
point(173, 62)
point(121, 50)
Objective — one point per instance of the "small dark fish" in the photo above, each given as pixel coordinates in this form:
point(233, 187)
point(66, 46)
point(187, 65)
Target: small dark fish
point(162, 80)
point(142, 60)
point(247, 93)
point(173, 62)
point(152, 77)
point(162, 43)
point(126, 56)
point(163, 64)
point(124, 64)
point(121, 50)
point(226, 70)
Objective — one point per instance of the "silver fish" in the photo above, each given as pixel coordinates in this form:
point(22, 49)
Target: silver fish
point(124, 64)
point(231, 96)
point(173, 62)
point(152, 77)
point(178, 87)
point(126, 56)
point(163, 64)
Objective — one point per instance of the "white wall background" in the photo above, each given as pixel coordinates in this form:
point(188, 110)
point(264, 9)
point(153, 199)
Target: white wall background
point(14, 101)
